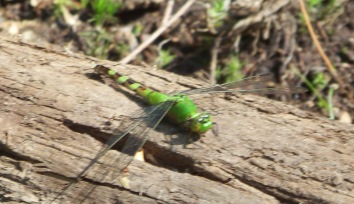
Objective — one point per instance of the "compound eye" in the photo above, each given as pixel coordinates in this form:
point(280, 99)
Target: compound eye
point(204, 118)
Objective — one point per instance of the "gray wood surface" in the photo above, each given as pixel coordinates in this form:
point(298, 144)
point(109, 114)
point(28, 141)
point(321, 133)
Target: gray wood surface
point(54, 118)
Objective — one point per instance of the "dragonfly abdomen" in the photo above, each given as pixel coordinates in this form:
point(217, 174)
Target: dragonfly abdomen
point(140, 89)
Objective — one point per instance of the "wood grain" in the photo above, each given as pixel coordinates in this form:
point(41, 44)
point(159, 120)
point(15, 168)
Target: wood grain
point(55, 117)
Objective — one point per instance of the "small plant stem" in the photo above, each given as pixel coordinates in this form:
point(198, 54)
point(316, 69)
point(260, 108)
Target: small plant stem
point(329, 65)
point(330, 101)
point(313, 89)
point(214, 59)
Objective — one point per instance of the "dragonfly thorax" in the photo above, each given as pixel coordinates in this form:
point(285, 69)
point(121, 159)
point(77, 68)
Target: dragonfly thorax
point(185, 113)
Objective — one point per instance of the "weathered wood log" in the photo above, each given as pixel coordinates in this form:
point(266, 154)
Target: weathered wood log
point(54, 118)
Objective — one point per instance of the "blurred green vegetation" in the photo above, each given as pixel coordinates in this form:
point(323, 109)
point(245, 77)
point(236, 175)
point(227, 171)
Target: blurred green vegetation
point(230, 71)
point(103, 10)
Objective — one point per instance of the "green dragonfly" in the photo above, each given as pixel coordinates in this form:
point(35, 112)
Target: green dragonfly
point(177, 108)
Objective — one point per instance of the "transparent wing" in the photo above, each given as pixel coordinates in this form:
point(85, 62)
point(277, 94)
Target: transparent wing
point(241, 86)
point(136, 128)
point(138, 136)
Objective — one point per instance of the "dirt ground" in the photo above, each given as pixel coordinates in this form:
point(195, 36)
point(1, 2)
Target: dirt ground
point(264, 37)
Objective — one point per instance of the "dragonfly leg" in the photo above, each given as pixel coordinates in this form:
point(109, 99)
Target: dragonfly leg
point(180, 137)
point(175, 136)
point(190, 138)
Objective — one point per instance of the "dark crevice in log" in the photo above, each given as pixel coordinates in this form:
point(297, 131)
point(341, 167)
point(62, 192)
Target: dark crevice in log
point(5, 151)
point(84, 129)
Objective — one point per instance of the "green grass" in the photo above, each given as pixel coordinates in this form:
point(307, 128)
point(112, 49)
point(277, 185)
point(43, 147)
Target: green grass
point(316, 86)
point(60, 5)
point(320, 9)
point(103, 10)
point(164, 58)
point(137, 29)
point(312, 4)
point(323, 8)
point(99, 43)
point(231, 71)
point(217, 13)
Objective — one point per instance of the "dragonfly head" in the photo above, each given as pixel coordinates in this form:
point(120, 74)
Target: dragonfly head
point(201, 123)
